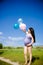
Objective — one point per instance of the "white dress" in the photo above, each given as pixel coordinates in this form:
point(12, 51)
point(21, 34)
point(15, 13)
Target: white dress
point(28, 38)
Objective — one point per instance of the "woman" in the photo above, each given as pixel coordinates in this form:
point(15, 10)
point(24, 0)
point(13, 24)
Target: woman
point(28, 41)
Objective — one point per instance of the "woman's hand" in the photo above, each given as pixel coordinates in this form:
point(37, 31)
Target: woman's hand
point(29, 45)
point(24, 30)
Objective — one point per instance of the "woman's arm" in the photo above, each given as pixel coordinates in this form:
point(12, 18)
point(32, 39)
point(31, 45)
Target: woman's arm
point(32, 40)
point(24, 31)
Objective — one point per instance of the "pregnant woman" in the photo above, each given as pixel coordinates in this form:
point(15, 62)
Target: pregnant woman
point(28, 41)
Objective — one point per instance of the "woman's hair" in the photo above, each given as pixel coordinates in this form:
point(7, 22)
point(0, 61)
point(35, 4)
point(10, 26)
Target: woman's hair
point(32, 33)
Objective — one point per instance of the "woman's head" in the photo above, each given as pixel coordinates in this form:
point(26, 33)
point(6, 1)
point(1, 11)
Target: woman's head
point(31, 30)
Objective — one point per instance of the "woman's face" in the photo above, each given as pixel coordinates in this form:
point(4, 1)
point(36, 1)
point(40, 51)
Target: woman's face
point(29, 31)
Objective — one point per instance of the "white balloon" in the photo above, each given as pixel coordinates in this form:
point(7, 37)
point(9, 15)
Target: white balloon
point(20, 20)
point(22, 26)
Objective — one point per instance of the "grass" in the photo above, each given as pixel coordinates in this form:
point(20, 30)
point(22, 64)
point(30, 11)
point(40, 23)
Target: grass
point(17, 55)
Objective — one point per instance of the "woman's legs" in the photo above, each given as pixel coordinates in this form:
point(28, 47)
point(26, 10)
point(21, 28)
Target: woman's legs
point(30, 54)
point(25, 54)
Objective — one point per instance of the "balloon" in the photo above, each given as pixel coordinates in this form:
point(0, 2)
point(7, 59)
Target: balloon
point(16, 26)
point(22, 26)
point(20, 20)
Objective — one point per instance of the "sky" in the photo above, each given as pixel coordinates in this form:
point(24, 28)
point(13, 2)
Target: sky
point(31, 11)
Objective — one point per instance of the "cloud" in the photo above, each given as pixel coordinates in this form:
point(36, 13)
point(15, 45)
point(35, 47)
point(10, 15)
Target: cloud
point(2, 37)
point(11, 41)
point(15, 38)
point(1, 33)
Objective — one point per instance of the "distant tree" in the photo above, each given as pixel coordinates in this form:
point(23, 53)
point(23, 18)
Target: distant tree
point(1, 46)
point(19, 47)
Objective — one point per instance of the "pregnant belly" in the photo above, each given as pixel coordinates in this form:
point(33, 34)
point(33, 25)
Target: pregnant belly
point(27, 40)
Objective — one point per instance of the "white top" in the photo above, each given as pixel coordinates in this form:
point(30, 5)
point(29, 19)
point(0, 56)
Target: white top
point(28, 38)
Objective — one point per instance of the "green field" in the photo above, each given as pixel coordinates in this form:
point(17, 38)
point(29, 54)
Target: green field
point(17, 55)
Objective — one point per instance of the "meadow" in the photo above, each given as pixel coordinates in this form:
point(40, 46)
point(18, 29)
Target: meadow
point(17, 55)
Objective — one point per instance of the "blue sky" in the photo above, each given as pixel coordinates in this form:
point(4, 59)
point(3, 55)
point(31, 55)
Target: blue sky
point(32, 14)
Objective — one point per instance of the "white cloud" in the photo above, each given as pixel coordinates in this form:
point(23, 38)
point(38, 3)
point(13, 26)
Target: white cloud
point(11, 41)
point(1, 33)
point(15, 38)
